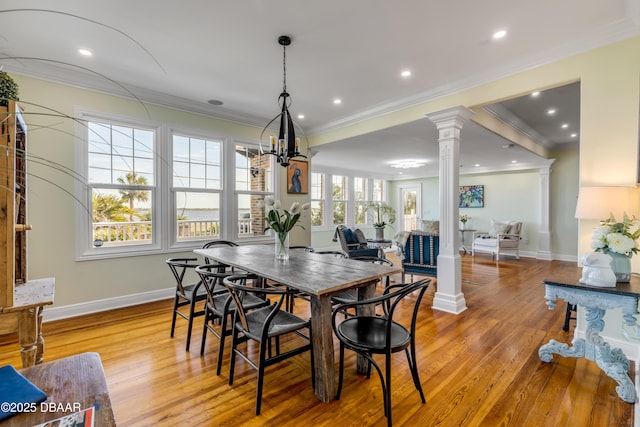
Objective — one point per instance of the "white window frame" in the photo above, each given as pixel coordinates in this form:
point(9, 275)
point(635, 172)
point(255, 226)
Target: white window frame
point(233, 211)
point(83, 190)
point(323, 200)
point(171, 191)
point(350, 208)
point(164, 237)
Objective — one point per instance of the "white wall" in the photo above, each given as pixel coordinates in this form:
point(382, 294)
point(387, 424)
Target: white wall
point(51, 205)
point(516, 196)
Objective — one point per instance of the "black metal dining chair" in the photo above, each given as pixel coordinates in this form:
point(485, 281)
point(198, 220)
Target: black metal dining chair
point(212, 244)
point(351, 295)
point(381, 334)
point(264, 325)
point(220, 306)
point(186, 294)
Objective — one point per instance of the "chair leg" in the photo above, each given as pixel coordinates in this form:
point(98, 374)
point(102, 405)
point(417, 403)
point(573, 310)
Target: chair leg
point(261, 364)
point(173, 320)
point(192, 309)
point(313, 365)
point(567, 316)
point(388, 390)
point(413, 366)
point(223, 334)
point(340, 371)
point(204, 331)
point(232, 361)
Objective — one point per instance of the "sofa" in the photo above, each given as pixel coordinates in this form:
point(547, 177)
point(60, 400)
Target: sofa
point(418, 251)
point(503, 238)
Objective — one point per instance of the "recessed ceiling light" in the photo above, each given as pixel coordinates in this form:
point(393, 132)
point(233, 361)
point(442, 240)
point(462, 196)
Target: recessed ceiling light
point(215, 102)
point(514, 161)
point(301, 116)
point(337, 101)
point(565, 125)
point(477, 165)
point(406, 73)
point(85, 52)
point(551, 111)
point(499, 34)
point(535, 94)
point(573, 135)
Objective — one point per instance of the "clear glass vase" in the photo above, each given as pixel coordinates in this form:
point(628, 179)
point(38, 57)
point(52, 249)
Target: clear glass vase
point(282, 246)
point(621, 266)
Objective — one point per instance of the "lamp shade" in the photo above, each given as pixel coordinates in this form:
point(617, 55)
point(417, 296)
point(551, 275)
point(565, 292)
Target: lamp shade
point(602, 202)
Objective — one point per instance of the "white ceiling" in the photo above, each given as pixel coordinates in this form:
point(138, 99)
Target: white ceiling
point(183, 54)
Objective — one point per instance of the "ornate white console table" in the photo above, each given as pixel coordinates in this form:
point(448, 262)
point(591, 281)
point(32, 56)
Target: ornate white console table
point(595, 301)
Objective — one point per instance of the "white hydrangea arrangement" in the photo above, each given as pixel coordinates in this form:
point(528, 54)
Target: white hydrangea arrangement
point(613, 236)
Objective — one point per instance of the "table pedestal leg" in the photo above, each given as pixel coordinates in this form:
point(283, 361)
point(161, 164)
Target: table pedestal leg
point(40, 339)
point(323, 348)
point(27, 336)
point(612, 361)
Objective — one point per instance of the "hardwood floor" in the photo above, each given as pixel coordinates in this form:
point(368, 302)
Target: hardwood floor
point(478, 368)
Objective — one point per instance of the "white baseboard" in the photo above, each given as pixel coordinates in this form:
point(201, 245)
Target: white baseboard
point(73, 310)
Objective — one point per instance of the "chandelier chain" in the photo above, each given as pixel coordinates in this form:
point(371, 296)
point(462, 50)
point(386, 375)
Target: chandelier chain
point(284, 68)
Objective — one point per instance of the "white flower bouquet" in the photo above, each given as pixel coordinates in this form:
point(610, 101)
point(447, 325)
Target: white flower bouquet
point(613, 236)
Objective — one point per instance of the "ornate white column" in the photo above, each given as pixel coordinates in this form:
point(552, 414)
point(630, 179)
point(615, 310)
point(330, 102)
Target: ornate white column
point(544, 232)
point(448, 296)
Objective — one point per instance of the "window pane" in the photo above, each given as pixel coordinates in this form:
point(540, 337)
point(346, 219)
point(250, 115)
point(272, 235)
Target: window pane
point(197, 215)
point(378, 190)
point(317, 186)
point(317, 213)
point(360, 188)
point(143, 144)
point(121, 217)
point(339, 187)
point(253, 170)
point(361, 217)
point(251, 220)
point(118, 151)
point(339, 209)
point(193, 159)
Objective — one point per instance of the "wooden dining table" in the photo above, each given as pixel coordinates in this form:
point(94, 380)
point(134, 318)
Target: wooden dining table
point(318, 276)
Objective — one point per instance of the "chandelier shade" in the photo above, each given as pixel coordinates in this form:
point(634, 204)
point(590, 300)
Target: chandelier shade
point(286, 146)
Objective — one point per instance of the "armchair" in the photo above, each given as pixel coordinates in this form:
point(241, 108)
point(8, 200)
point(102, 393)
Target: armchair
point(503, 237)
point(353, 242)
point(419, 253)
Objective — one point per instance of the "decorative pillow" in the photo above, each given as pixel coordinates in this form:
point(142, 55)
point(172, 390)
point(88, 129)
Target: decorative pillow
point(497, 227)
point(359, 236)
point(431, 226)
point(348, 236)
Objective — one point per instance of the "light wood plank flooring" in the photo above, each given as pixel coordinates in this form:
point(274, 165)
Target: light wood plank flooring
point(478, 368)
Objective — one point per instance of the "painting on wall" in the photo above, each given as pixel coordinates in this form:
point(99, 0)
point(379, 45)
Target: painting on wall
point(297, 177)
point(471, 196)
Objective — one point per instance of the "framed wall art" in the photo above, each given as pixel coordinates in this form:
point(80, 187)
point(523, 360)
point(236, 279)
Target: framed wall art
point(471, 196)
point(298, 177)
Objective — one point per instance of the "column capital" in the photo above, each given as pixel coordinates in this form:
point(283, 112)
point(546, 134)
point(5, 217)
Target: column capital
point(451, 117)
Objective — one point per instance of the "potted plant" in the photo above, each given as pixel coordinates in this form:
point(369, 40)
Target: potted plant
point(380, 214)
point(8, 89)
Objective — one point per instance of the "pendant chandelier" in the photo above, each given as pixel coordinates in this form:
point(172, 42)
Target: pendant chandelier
point(286, 146)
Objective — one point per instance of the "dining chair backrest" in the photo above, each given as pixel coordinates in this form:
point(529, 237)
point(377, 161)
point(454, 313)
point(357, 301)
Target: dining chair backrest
point(215, 243)
point(212, 279)
point(237, 286)
point(179, 268)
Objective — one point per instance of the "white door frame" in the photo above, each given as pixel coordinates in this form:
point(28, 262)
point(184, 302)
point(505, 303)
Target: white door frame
point(417, 188)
